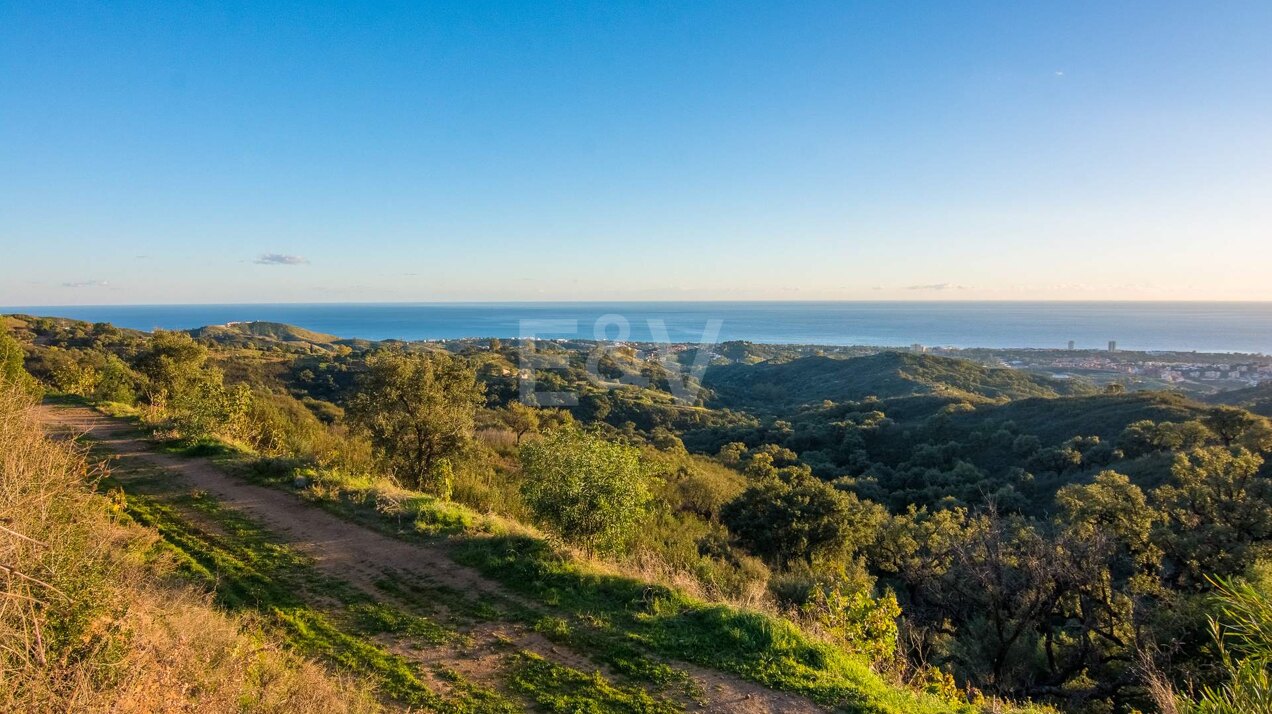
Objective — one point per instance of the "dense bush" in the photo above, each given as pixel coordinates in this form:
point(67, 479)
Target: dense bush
point(590, 491)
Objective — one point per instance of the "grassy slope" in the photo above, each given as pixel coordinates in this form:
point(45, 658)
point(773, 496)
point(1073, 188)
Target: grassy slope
point(250, 570)
point(628, 624)
point(97, 623)
point(272, 330)
point(637, 616)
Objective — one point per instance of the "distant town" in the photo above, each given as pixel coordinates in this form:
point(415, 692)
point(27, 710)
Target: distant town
point(1196, 372)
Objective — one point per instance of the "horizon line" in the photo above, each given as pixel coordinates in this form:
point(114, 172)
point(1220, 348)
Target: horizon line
point(8, 309)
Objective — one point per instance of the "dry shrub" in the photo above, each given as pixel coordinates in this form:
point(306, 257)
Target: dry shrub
point(89, 622)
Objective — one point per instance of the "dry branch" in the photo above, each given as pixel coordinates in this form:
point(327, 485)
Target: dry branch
point(12, 572)
point(16, 534)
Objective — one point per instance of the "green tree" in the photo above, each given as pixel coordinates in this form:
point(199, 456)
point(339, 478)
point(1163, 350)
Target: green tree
point(1216, 513)
point(590, 491)
point(1111, 509)
point(665, 439)
point(1006, 582)
point(73, 372)
point(1257, 437)
point(1184, 436)
point(418, 410)
point(553, 419)
point(208, 409)
point(180, 383)
point(117, 383)
point(733, 453)
point(12, 372)
point(1146, 437)
point(791, 516)
point(520, 418)
point(1229, 423)
point(1138, 438)
point(173, 366)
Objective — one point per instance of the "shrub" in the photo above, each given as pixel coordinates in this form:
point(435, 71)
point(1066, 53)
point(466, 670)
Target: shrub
point(793, 517)
point(856, 620)
point(590, 491)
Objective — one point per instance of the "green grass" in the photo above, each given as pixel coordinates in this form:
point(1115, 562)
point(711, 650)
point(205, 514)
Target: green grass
point(378, 618)
point(626, 616)
point(557, 688)
point(585, 633)
point(313, 633)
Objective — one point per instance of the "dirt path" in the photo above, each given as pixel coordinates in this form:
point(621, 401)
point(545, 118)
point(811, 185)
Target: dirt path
point(360, 556)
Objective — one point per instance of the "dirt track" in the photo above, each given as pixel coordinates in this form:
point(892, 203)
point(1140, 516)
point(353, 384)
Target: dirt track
point(355, 554)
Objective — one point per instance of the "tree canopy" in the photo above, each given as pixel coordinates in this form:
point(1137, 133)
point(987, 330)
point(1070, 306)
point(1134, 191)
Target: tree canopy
point(418, 409)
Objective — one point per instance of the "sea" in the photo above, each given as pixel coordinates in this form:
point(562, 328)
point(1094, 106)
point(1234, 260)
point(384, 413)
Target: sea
point(1150, 326)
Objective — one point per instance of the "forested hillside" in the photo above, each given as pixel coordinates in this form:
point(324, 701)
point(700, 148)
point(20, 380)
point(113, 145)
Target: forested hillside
point(978, 534)
point(806, 380)
point(1256, 399)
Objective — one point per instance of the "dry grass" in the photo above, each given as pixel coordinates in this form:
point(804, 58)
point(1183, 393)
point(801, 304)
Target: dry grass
point(89, 622)
point(503, 441)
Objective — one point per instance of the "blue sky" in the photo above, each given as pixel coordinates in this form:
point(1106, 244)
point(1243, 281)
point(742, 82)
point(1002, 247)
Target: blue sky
point(175, 152)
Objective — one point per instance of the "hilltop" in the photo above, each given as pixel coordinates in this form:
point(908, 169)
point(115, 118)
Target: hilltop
point(266, 335)
point(275, 330)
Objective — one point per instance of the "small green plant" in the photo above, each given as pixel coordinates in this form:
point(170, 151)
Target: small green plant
point(855, 619)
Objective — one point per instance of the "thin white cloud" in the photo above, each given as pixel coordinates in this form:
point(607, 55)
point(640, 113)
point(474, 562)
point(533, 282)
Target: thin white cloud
point(937, 286)
point(280, 259)
point(86, 284)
